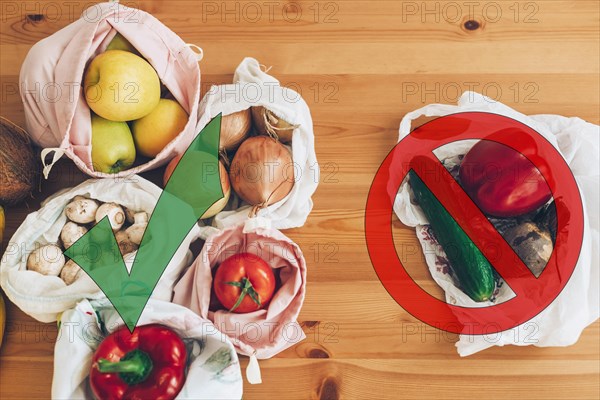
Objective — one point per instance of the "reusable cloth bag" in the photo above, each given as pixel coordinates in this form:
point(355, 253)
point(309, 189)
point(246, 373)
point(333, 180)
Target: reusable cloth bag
point(45, 297)
point(260, 334)
point(56, 113)
point(213, 368)
point(577, 306)
point(253, 87)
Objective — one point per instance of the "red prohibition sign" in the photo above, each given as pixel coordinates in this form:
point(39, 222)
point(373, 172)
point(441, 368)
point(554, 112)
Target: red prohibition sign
point(532, 295)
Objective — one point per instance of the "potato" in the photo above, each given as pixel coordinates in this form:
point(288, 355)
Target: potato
point(532, 244)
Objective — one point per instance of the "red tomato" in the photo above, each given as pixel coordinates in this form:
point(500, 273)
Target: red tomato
point(244, 283)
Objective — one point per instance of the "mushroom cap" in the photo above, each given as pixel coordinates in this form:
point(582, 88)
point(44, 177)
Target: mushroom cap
point(70, 272)
point(47, 260)
point(126, 246)
point(136, 232)
point(71, 233)
point(82, 210)
point(129, 215)
point(115, 214)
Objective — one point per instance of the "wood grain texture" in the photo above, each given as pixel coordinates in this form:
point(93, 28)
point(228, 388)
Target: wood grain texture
point(360, 65)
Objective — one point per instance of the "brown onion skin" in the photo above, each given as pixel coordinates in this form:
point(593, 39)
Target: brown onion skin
point(262, 172)
point(234, 129)
point(283, 129)
point(18, 164)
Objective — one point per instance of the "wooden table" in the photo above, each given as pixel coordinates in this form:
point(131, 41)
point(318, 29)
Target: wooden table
point(360, 65)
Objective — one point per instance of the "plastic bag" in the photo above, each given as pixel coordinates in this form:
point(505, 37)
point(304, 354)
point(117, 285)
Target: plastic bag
point(253, 87)
point(213, 367)
point(44, 297)
point(56, 113)
point(577, 306)
point(263, 333)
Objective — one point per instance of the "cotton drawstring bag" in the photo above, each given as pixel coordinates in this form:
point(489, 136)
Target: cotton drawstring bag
point(213, 371)
point(254, 87)
point(45, 297)
point(57, 116)
point(263, 333)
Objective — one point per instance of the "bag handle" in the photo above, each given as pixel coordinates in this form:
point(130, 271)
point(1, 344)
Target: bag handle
point(430, 110)
point(197, 50)
point(468, 101)
point(58, 153)
point(253, 375)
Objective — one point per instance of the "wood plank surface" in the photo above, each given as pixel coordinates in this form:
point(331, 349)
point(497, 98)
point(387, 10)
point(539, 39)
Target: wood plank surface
point(360, 65)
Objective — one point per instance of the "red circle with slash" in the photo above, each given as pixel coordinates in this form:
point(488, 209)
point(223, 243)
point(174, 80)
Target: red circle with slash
point(532, 295)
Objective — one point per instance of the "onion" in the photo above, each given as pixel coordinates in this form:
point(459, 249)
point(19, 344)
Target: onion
point(18, 166)
point(234, 129)
point(262, 172)
point(218, 206)
point(268, 123)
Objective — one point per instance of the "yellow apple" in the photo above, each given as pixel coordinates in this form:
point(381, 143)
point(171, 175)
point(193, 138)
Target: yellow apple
point(121, 86)
point(113, 149)
point(154, 131)
point(120, 43)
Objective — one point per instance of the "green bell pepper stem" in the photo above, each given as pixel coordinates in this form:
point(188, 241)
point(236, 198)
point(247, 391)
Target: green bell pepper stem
point(133, 368)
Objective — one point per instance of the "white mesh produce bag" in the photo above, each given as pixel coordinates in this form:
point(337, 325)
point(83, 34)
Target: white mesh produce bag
point(577, 306)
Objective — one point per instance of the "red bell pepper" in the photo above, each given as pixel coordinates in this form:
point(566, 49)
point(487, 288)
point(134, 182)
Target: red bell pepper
point(502, 181)
point(146, 364)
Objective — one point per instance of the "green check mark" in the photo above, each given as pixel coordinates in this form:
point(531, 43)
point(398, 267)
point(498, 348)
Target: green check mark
point(97, 252)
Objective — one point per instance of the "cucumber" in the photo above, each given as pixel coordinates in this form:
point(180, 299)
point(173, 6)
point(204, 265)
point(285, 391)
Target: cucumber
point(473, 270)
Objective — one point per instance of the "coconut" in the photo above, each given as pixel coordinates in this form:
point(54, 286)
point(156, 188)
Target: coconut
point(18, 165)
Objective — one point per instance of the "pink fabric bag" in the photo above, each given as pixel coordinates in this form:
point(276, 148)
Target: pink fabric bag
point(56, 114)
point(260, 334)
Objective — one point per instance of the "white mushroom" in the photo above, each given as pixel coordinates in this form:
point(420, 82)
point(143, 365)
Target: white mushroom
point(115, 214)
point(82, 210)
point(136, 231)
point(47, 260)
point(125, 244)
point(130, 215)
point(70, 233)
point(70, 272)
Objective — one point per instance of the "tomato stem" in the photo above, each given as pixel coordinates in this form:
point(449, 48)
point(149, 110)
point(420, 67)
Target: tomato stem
point(247, 289)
